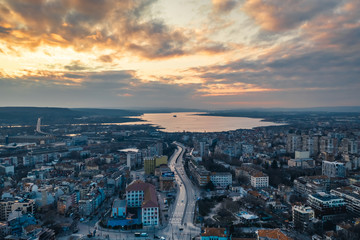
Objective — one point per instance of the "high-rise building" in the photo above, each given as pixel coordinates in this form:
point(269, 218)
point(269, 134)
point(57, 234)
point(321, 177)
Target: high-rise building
point(302, 215)
point(150, 163)
point(293, 143)
point(131, 159)
point(333, 169)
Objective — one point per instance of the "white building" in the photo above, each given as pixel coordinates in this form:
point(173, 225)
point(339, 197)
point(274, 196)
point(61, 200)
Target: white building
point(259, 180)
point(302, 154)
point(333, 169)
point(130, 159)
point(140, 194)
point(6, 169)
point(221, 179)
point(10, 205)
point(352, 198)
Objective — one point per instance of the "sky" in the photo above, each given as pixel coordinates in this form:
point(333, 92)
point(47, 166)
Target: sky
point(209, 54)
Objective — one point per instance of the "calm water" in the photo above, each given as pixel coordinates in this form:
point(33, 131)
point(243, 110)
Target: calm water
point(196, 123)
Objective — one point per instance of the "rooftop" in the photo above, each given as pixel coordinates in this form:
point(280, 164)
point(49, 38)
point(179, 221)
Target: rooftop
point(218, 232)
point(119, 203)
point(324, 196)
point(272, 234)
point(150, 199)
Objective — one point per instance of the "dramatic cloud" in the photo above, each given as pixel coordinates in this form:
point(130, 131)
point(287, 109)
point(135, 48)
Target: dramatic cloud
point(85, 24)
point(283, 15)
point(221, 54)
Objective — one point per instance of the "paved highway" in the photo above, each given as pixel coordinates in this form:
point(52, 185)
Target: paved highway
point(181, 222)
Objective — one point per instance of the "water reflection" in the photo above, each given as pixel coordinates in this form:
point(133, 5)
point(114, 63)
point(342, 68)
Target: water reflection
point(191, 122)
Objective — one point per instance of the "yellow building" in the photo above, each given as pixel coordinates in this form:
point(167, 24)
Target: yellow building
point(161, 160)
point(150, 163)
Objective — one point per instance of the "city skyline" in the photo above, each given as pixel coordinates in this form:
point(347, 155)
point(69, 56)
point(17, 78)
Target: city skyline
point(204, 54)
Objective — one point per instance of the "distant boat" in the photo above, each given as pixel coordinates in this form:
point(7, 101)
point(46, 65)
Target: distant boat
point(174, 116)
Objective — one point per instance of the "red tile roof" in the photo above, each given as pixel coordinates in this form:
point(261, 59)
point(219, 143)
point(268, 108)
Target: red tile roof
point(150, 198)
point(218, 232)
point(272, 234)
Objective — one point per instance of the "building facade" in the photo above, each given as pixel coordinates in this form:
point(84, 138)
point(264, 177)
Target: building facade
point(259, 180)
point(327, 207)
point(8, 206)
point(352, 198)
point(143, 195)
point(333, 169)
point(302, 215)
point(221, 179)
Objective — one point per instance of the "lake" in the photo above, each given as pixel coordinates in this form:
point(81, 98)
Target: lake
point(191, 122)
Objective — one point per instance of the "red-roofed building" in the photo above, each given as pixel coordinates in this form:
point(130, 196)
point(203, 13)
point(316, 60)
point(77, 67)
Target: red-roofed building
point(213, 234)
point(271, 234)
point(140, 194)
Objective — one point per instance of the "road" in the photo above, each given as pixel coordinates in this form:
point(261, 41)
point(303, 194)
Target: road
point(181, 222)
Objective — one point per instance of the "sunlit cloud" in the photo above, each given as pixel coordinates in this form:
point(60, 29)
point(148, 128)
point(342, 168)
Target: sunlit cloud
point(222, 53)
point(231, 89)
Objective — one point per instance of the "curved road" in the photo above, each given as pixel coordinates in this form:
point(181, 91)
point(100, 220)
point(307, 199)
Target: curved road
point(181, 223)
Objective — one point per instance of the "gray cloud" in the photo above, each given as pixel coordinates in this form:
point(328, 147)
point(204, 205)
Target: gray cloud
point(76, 65)
point(276, 15)
point(224, 6)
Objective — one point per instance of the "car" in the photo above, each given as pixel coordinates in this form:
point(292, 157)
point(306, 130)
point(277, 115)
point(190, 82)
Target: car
point(180, 229)
point(162, 238)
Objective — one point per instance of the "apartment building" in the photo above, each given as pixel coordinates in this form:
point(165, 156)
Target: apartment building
point(352, 198)
point(333, 169)
point(140, 194)
point(327, 207)
point(7, 206)
point(302, 215)
point(221, 179)
point(311, 184)
point(259, 180)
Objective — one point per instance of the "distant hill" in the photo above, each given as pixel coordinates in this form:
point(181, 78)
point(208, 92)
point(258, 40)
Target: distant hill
point(349, 109)
point(29, 115)
point(168, 110)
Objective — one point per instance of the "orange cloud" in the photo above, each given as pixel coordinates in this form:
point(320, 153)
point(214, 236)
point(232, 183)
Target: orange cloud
point(83, 25)
point(220, 89)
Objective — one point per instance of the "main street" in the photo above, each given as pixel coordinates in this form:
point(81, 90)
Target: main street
point(181, 222)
